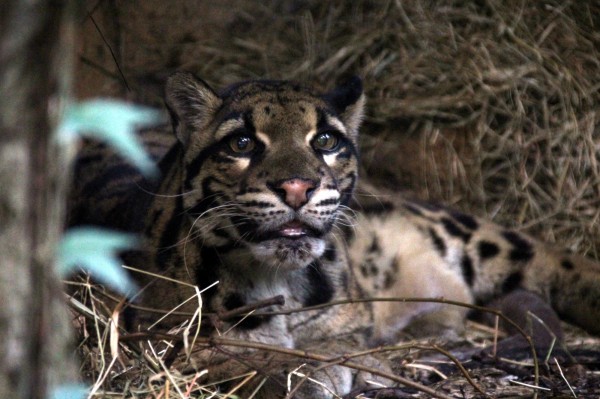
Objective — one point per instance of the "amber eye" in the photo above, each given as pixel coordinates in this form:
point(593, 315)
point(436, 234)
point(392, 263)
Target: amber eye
point(325, 141)
point(242, 144)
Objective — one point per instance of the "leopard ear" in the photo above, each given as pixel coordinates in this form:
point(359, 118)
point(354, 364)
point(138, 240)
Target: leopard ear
point(348, 100)
point(191, 103)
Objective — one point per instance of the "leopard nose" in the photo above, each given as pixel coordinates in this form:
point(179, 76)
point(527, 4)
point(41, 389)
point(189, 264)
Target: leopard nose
point(295, 192)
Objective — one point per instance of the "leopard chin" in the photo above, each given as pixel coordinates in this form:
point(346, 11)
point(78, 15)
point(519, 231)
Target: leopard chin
point(288, 253)
point(292, 245)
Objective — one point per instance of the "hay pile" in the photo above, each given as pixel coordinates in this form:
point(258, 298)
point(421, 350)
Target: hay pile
point(492, 106)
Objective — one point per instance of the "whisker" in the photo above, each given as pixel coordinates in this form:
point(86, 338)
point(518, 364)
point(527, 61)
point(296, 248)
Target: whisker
point(154, 194)
point(215, 197)
point(200, 217)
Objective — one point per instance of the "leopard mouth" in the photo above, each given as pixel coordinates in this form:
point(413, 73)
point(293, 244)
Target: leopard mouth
point(290, 245)
point(292, 230)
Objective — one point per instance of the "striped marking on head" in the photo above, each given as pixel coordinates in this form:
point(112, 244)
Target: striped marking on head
point(229, 126)
point(264, 138)
point(335, 122)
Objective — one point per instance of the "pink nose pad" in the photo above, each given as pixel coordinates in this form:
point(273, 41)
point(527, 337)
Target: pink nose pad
point(297, 192)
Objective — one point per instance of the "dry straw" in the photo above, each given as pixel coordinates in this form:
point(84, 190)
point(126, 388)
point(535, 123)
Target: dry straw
point(489, 105)
point(492, 106)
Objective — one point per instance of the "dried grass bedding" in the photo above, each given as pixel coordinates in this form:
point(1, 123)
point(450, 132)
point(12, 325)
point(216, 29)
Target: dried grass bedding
point(490, 106)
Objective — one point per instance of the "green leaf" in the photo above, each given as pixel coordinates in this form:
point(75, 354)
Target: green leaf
point(95, 250)
point(114, 122)
point(68, 391)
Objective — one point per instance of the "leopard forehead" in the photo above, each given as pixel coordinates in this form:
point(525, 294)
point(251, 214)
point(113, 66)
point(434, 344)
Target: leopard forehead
point(282, 92)
point(275, 110)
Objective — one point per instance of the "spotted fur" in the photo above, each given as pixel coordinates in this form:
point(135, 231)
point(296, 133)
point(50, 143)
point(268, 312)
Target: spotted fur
point(255, 194)
point(436, 252)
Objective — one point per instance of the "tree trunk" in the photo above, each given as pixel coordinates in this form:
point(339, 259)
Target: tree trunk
point(35, 58)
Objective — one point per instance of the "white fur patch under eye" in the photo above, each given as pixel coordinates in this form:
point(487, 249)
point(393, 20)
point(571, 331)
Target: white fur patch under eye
point(242, 163)
point(329, 159)
point(227, 127)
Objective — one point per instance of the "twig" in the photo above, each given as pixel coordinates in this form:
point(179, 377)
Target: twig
point(496, 329)
point(240, 384)
point(101, 320)
point(166, 371)
point(428, 368)
point(112, 53)
point(271, 301)
point(564, 378)
point(532, 386)
point(434, 300)
point(278, 300)
point(305, 377)
point(458, 364)
point(219, 341)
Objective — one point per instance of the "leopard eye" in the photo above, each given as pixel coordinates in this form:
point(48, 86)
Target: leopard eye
point(242, 144)
point(326, 141)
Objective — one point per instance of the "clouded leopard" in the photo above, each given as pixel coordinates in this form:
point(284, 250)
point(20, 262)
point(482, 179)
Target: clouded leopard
point(259, 192)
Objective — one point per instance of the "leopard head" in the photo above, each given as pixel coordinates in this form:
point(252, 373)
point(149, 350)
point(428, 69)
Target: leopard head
point(267, 165)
